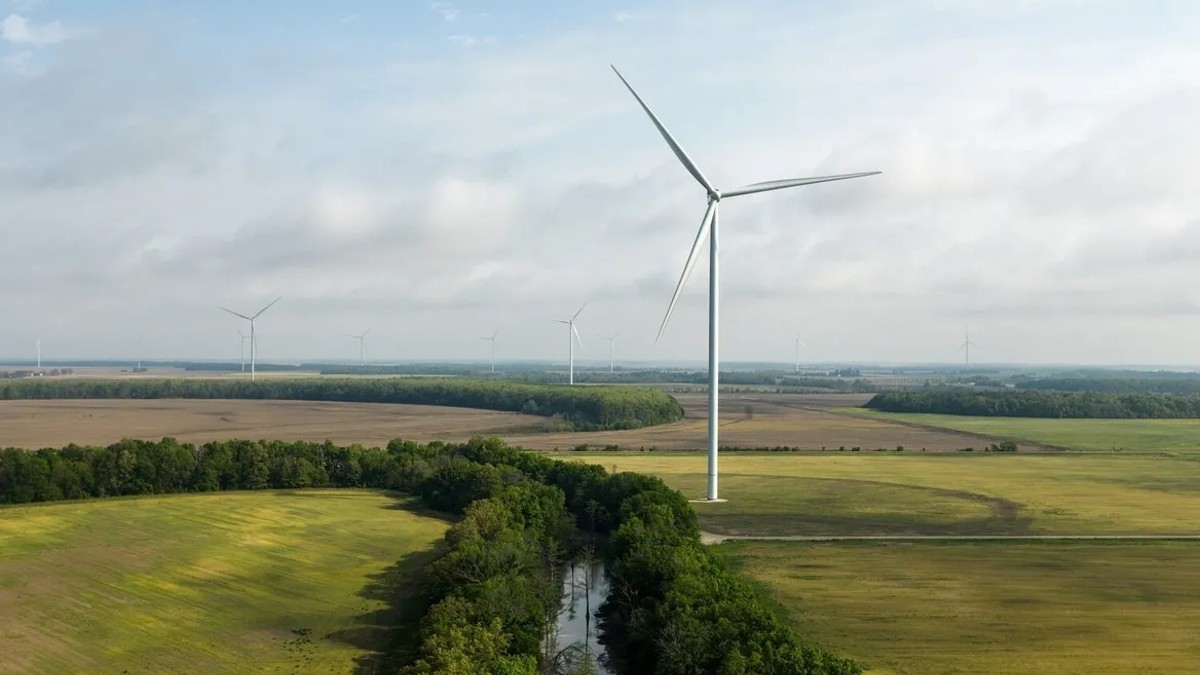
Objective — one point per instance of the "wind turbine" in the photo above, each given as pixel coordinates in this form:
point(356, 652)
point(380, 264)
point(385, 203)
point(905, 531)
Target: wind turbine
point(966, 346)
point(799, 344)
point(242, 344)
point(362, 346)
point(572, 336)
point(38, 344)
point(612, 342)
point(708, 225)
point(492, 340)
point(253, 342)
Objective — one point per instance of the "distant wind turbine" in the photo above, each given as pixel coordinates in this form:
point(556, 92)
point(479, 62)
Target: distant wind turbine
point(708, 225)
point(38, 345)
point(966, 347)
point(799, 344)
point(572, 336)
point(242, 344)
point(253, 342)
point(612, 342)
point(492, 339)
point(362, 346)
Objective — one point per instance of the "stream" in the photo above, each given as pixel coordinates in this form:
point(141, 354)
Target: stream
point(584, 588)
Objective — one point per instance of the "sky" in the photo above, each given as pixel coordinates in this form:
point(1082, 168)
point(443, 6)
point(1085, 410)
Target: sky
point(441, 170)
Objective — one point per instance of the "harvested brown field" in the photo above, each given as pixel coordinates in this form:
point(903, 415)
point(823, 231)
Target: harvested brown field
point(807, 421)
point(752, 420)
point(38, 424)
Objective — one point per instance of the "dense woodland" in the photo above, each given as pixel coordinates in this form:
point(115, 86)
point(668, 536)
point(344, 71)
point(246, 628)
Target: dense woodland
point(1187, 384)
point(1031, 403)
point(583, 408)
point(493, 595)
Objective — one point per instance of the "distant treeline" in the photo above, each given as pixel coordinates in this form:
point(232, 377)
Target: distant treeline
point(1029, 403)
point(493, 595)
point(1177, 383)
point(555, 374)
point(584, 408)
point(22, 374)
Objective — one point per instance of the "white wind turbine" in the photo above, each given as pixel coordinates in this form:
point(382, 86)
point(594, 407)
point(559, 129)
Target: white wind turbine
point(572, 336)
point(253, 342)
point(708, 225)
point(242, 344)
point(966, 347)
point(492, 339)
point(612, 343)
point(362, 346)
point(38, 345)
point(799, 344)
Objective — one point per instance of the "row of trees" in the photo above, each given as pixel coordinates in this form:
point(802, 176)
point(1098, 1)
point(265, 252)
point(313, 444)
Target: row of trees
point(675, 607)
point(1032, 403)
point(584, 408)
point(1187, 384)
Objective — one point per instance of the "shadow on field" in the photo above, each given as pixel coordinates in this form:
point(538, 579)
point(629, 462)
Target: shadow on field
point(389, 635)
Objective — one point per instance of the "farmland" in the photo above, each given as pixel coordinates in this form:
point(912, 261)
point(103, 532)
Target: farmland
point(266, 581)
point(35, 424)
point(1003, 608)
point(1098, 435)
point(750, 420)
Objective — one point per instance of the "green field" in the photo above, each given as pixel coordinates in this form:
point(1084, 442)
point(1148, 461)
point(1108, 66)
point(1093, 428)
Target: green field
point(994, 608)
point(953, 494)
point(1099, 435)
point(231, 582)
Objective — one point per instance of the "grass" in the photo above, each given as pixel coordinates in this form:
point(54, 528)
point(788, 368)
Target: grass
point(1088, 434)
point(988, 607)
point(232, 582)
point(902, 493)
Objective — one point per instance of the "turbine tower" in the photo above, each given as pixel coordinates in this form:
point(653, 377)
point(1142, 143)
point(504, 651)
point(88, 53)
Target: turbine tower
point(966, 347)
point(612, 342)
point(799, 344)
point(572, 336)
point(492, 339)
point(708, 225)
point(362, 346)
point(38, 344)
point(253, 342)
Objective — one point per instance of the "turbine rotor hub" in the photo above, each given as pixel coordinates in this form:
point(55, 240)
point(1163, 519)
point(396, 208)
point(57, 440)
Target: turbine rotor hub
point(714, 196)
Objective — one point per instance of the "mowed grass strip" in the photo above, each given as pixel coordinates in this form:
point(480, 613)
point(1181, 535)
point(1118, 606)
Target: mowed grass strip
point(959, 494)
point(227, 582)
point(1095, 435)
point(998, 608)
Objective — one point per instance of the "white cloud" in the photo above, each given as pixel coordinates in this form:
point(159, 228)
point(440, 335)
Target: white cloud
point(470, 41)
point(18, 29)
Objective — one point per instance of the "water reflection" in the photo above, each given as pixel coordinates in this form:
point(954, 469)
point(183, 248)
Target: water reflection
point(585, 586)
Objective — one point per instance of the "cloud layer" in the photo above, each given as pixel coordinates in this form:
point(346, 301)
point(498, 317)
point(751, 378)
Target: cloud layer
point(1037, 163)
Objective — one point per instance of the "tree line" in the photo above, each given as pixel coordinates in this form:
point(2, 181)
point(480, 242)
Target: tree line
point(1185, 384)
point(493, 594)
point(1034, 403)
point(583, 408)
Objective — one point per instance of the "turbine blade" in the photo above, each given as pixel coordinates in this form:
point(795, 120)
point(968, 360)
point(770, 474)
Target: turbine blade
point(260, 312)
point(559, 321)
point(576, 334)
point(495, 333)
point(791, 182)
point(801, 343)
point(235, 313)
point(693, 255)
point(687, 161)
point(579, 312)
point(368, 331)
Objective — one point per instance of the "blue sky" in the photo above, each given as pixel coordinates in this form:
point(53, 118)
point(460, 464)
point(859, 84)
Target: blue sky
point(438, 170)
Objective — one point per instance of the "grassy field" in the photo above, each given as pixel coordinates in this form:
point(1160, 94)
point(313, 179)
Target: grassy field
point(1094, 608)
point(955, 494)
point(233, 582)
point(1093, 435)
